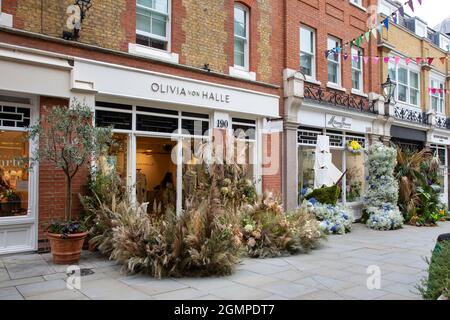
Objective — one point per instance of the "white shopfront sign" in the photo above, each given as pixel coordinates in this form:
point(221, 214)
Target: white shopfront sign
point(111, 79)
point(338, 122)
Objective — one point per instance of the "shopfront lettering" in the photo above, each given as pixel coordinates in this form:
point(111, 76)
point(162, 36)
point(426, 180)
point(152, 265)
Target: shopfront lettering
point(181, 91)
point(338, 122)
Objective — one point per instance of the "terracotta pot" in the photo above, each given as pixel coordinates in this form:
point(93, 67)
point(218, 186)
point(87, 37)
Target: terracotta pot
point(66, 250)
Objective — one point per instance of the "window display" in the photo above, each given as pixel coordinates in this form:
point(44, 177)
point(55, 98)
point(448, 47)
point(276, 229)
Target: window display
point(14, 174)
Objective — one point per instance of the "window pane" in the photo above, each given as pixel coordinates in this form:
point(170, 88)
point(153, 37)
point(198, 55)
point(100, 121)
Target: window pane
point(414, 79)
point(239, 45)
point(158, 25)
point(239, 15)
point(14, 174)
point(392, 73)
point(306, 63)
point(414, 97)
point(434, 103)
point(306, 40)
point(332, 72)
point(161, 5)
point(402, 93)
point(143, 20)
point(356, 79)
point(239, 59)
point(147, 3)
point(239, 29)
point(403, 75)
point(305, 168)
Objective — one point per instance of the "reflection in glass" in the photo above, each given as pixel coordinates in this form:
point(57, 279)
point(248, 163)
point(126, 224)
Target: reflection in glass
point(14, 174)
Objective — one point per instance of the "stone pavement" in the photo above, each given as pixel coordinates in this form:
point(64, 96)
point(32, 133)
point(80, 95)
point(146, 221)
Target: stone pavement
point(335, 271)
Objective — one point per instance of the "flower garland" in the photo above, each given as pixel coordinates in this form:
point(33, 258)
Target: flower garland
point(382, 194)
point(334, 219)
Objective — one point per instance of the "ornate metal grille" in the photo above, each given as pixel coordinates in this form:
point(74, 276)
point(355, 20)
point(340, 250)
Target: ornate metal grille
point(338, 99)
point(443, 123)
point(410, 115)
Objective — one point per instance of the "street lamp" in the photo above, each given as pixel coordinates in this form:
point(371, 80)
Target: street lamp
point(84, 6)
point(388, 90)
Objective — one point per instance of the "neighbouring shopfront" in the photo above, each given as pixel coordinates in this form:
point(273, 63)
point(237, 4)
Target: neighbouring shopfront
point(342, 128)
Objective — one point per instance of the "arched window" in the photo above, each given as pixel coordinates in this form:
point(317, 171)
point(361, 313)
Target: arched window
point(241, 37)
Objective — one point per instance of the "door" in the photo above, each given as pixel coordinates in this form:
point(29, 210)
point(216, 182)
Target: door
point(17, 181)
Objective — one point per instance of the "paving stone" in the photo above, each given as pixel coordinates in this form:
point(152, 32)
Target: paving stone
point(265, 269)
point(291, 275)
point(109, 289)
point(4, 275)
point(151, 286)
point(251, 279)
point(205, 284)
point(287, 289)
point(182, 294)
point(33, 289)
point(320, 295)
point(362, 293)
point(12, 283)
point(10, 293)
point(207, 297)
point(60, 295)
point(402, 289)
point(240, 292)
point(22, 268)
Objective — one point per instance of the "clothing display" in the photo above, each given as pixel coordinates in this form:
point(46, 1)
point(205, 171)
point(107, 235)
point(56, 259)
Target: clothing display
point(326, 173)
point(141, 187)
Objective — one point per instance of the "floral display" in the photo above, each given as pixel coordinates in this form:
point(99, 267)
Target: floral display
point(380, 200)
point(354, 147)
point(334, 219)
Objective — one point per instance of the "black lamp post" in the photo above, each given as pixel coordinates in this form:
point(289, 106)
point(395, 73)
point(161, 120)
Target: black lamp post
point(388, 90)
point(84, 6)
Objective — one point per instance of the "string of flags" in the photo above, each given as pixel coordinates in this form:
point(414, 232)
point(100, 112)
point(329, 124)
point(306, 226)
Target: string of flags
point(437, 90)
point(395, 59)
point(373, 32)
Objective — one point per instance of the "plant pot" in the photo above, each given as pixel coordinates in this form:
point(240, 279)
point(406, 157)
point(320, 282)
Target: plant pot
point(66, 250)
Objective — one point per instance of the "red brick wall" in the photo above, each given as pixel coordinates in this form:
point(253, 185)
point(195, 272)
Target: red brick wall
point(52, 181)
point(337, 18)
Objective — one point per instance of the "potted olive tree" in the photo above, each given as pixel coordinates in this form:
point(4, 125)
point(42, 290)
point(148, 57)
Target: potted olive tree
point(68, 140)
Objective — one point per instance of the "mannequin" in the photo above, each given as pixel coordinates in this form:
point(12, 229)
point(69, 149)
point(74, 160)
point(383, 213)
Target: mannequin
point(141, 187)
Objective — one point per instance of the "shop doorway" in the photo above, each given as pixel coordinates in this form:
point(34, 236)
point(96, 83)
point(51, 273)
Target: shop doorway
point(156, 174)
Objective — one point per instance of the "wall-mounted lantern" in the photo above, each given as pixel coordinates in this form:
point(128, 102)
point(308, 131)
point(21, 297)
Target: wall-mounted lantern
point(77, 13)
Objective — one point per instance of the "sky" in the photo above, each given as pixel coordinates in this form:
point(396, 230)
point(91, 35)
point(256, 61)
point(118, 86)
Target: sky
point(432, 11)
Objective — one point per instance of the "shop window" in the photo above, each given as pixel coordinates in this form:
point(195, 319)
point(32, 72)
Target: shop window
point(14, 174)
point(17, 117)
point(152, 23)
point(307, 51)
point(241, 37)
point(437, 98)
point(357, 69)
point(153, 123)
point(334, 62)
point(117, 120)
point(244, 128)
point(306, 160)
point(355, 176)
point(195, 124)
point(441, 153)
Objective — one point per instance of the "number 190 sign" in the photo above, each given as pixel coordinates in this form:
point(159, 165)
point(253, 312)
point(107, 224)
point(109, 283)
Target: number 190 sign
point(222, 124)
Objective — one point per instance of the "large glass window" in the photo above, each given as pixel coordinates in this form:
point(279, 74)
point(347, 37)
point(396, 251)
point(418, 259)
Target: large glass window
point(437, 98)
point(408, 84)
point(307, 51)
point(334, 62)
point(241, 37)
point(152, 23)
point(357, 69)
point(14, 174)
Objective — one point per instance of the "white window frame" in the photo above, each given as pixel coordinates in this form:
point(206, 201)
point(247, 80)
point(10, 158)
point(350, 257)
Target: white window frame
point(312, 54)
point(246, 66)
point(339, 62)
point(412, 68)
point(437, 83)
point(358, 51)
point(167, 38)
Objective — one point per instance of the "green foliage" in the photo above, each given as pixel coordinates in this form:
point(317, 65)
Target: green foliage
point(438, 281)
point(67, 140)
point(269, 232)
point(326, 195)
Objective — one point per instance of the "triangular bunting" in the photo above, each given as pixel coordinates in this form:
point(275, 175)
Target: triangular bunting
point(430, 60)
point(386, 23)
point(396, 60)
point(411, 5)
point(366, 60)
point(374, 32)
point(408, 61)
point(442, 60)
point(367, 36)
point(420, 2)
point(401, 11)
point(375, 60)
point(419, 60)
point(386, 59)
point(345, 56)
point(394, 17)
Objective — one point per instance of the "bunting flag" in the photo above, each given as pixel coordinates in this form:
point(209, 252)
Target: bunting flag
point(374, 33)
point(430, 60)
point(442, 60)
point(386, 59)
point(397, 60)
point(407, 61)
point(367, 36)
point(420, 2)
point(411, 5)
point(386, 23)
point(375, 60)
point(345, 56)
point(437, 90)
point(366, 60)
point(419, 60)
point(401, 11)
point(394, 17)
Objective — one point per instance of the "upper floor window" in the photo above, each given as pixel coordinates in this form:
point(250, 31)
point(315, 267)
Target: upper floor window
point(437, 98)
point(357, 2)
point(241, 37)
point(152, 23)
point(407, 80)
point(334, 62)
point(357, 69)
point(307, 51)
